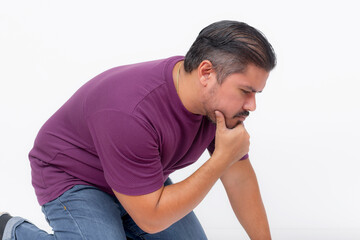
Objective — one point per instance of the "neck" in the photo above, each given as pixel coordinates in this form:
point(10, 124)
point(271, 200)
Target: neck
point(186, 88)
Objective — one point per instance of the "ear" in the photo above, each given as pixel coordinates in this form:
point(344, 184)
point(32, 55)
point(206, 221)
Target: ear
point(205, 72)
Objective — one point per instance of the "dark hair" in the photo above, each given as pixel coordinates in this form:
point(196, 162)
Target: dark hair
point(230, 46)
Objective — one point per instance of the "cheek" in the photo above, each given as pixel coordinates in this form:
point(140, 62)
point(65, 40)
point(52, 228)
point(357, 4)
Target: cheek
point(228, 102)
point(232, 104)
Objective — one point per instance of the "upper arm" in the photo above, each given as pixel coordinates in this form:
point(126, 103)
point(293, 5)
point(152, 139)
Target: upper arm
point(129, 155)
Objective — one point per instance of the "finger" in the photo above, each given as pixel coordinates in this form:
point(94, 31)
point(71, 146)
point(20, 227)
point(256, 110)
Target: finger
point(220, 119)
point(241, 127)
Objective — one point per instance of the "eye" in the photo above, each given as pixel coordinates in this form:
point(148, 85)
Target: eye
point(244, 91)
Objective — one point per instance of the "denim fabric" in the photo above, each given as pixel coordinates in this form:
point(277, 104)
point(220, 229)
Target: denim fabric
point(85, 212)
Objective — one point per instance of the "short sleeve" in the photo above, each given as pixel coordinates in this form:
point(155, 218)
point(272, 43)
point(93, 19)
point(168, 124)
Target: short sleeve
point(128, 151)
point(211, 149)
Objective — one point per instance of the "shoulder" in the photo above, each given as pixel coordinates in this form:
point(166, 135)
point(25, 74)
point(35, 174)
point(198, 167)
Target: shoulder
point(124, 87)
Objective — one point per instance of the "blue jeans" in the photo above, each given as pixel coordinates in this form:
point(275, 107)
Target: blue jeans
point(85, 212)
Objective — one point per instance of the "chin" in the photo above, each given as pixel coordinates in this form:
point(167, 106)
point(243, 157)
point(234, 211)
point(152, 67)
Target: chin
point(234, 125)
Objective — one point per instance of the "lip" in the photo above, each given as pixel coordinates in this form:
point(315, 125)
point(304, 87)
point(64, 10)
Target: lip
point(242, 118)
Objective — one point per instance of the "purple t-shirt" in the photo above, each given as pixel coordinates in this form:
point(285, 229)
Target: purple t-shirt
point(126, 129)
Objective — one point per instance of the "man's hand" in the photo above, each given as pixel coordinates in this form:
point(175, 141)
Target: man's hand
point(230, 144)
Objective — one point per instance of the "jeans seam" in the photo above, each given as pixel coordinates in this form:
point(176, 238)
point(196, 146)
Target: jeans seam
point(67, 210)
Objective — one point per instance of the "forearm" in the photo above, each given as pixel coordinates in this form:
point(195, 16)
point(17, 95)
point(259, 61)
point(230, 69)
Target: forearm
point(245, 199)
point(179, 199)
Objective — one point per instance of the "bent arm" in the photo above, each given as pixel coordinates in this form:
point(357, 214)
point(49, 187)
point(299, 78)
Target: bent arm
point(156, 211)
point(243, 191)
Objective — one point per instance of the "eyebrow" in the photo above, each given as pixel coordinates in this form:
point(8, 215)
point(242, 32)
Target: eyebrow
point(252, 89)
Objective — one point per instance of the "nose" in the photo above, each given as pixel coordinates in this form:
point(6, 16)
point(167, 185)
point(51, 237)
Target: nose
point(250, 103)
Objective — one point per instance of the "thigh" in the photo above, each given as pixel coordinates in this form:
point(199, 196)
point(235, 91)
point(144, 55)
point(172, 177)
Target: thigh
point(85, 212)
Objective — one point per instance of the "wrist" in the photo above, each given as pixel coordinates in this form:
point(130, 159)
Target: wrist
point(220, 162)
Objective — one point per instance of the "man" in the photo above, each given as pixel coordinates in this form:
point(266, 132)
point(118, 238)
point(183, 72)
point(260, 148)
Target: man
point(100, 164)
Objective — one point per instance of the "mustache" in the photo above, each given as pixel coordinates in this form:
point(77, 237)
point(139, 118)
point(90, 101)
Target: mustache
point(242, 114)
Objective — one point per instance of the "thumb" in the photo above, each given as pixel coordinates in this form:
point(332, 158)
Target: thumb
point(220, 120)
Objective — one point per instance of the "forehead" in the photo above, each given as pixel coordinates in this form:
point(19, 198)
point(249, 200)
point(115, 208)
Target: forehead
point(253, 79)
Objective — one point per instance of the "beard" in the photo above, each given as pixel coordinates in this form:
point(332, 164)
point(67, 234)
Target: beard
point(209, 106)
point(210, 114)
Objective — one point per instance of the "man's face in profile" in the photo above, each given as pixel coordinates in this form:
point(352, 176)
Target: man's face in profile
point(235, 97)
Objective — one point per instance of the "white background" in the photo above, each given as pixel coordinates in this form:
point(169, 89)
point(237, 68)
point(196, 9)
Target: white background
point(304, 134)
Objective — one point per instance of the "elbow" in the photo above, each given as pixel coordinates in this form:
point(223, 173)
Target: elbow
point(151, 230)
point(152, 226)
